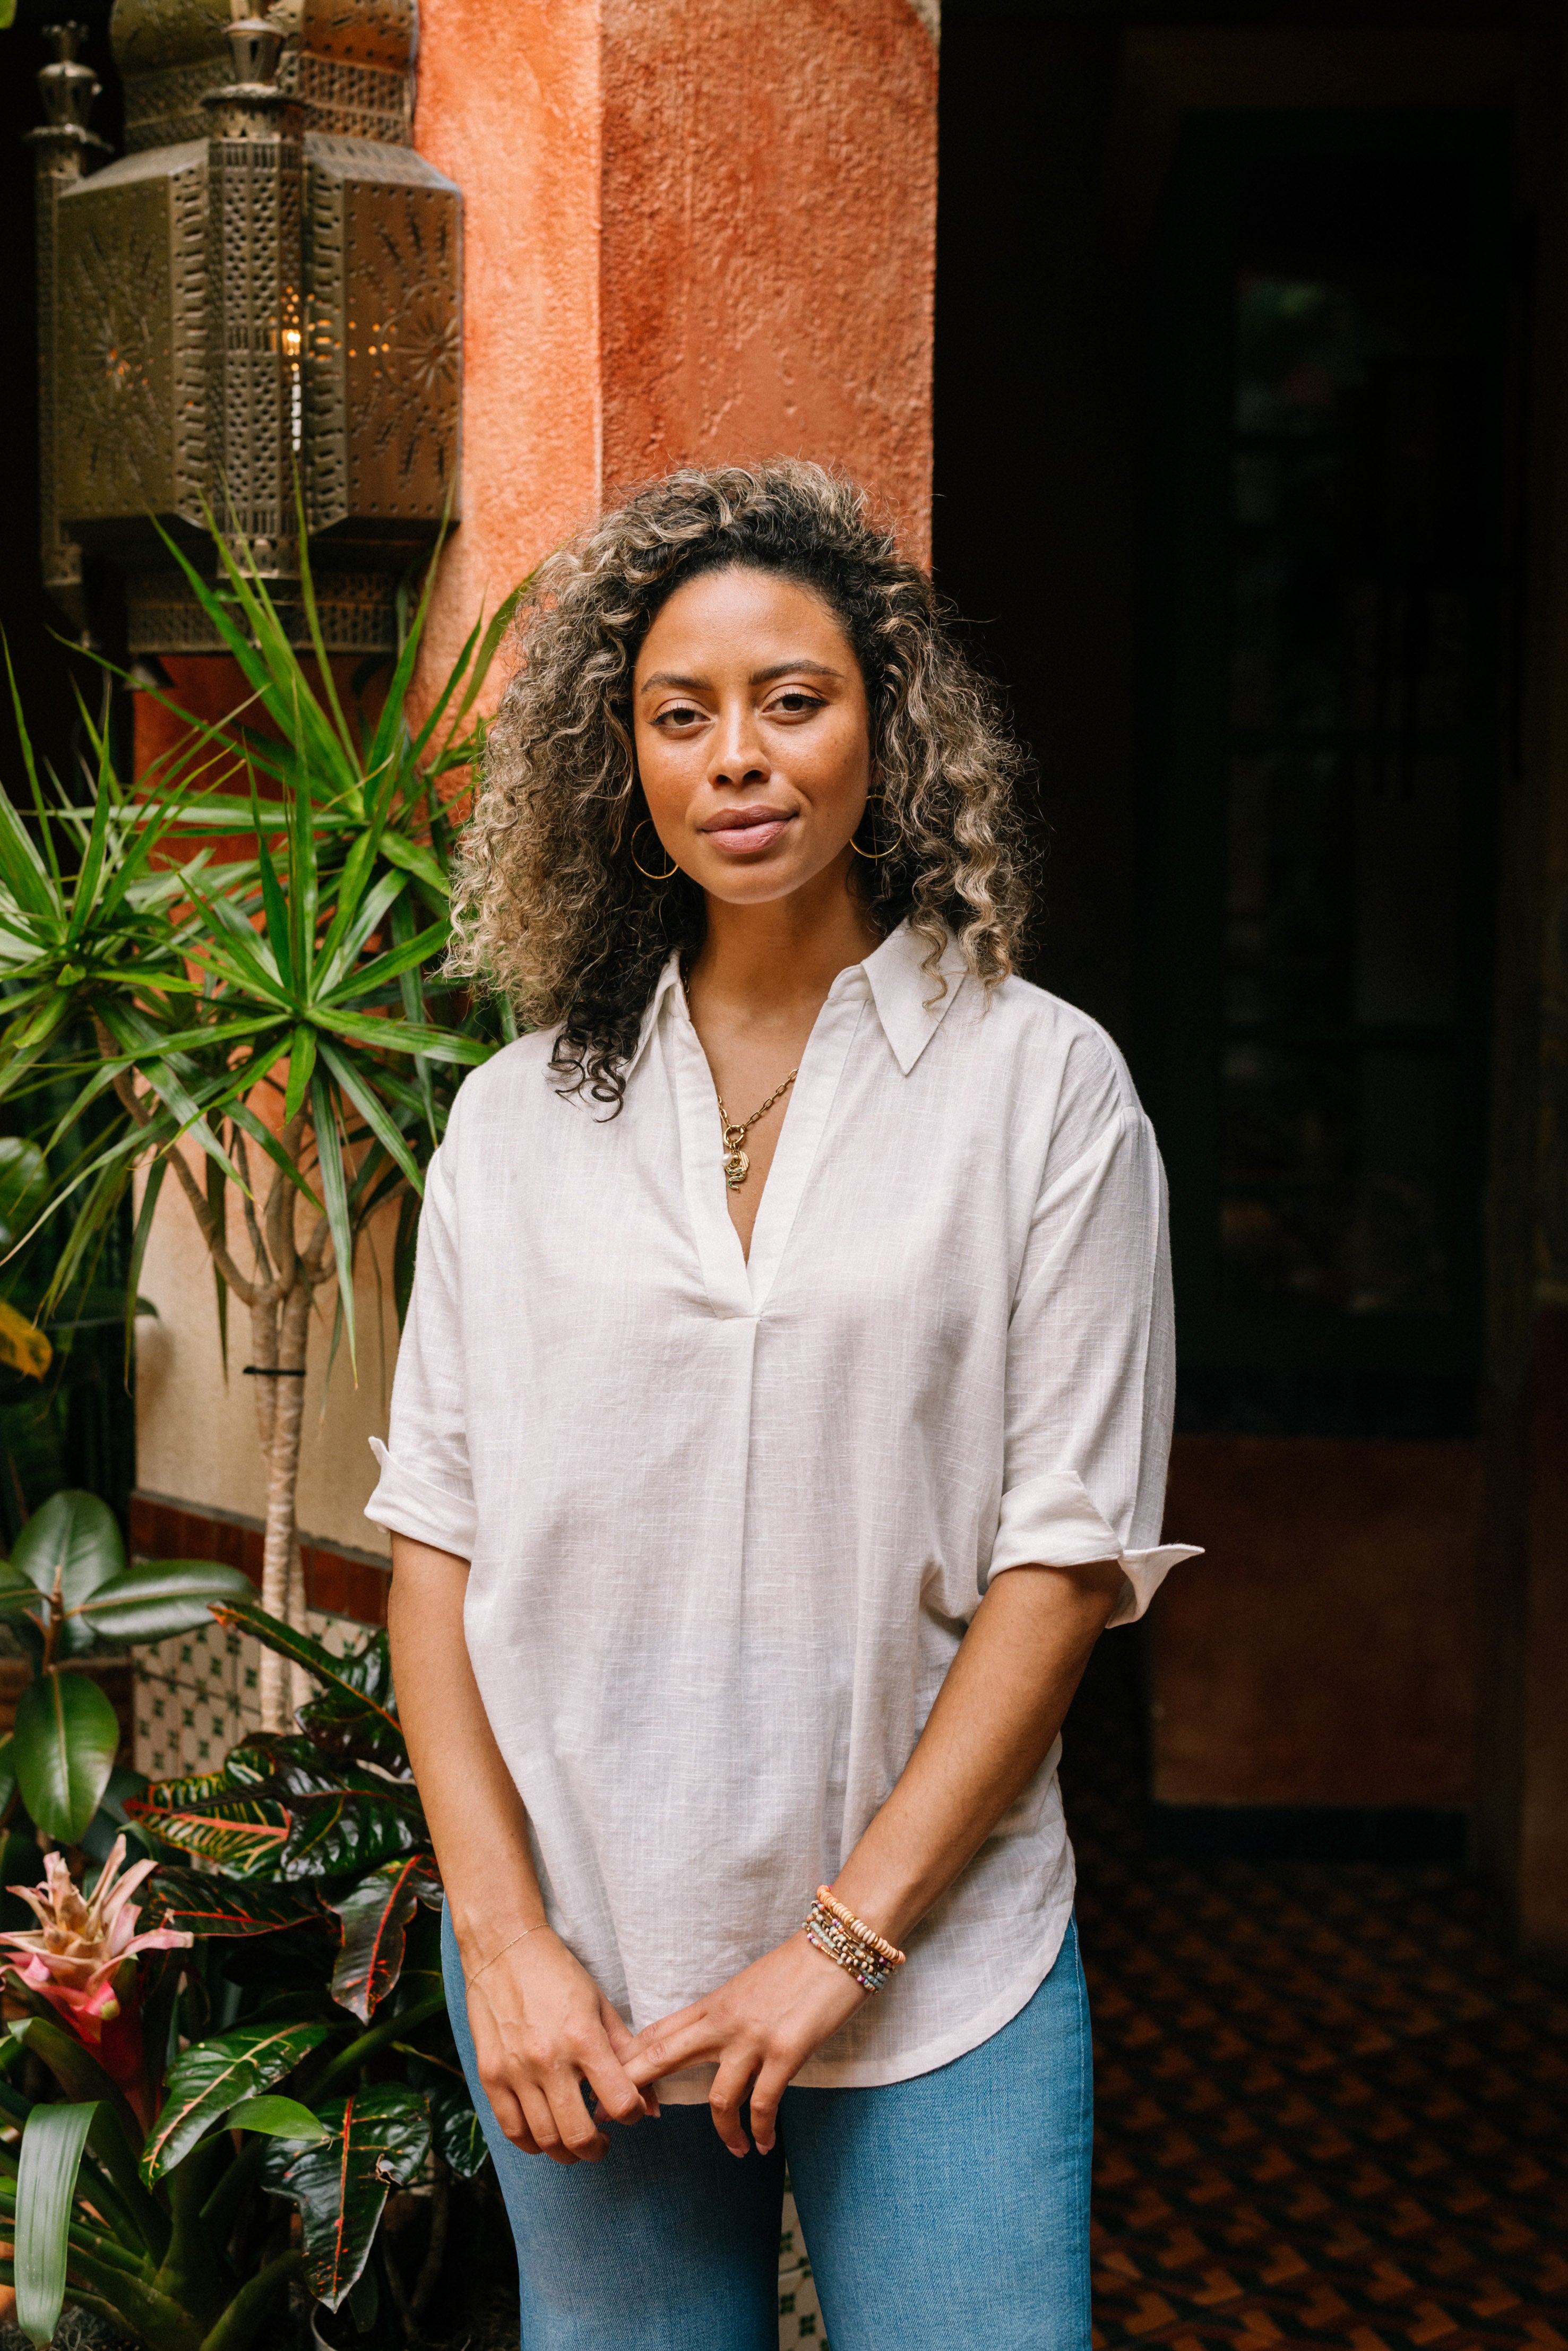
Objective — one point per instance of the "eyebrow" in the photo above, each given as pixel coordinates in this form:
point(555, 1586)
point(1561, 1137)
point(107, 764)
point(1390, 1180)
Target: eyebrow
point(759, 676)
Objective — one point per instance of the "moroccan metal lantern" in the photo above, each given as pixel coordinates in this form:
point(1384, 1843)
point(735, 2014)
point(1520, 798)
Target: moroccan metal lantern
point(264, 289)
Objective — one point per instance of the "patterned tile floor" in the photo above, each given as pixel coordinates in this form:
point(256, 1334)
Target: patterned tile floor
point(1331, 2107)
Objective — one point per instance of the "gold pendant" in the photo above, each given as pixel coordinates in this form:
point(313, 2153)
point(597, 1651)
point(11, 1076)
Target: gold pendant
point(737, 1167)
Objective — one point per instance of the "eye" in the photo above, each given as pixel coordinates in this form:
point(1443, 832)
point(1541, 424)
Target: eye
point(795, 702)
point(679, 718)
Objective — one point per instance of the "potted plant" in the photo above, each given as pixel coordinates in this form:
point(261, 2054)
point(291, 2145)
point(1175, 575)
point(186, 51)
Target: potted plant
point(272, 1016)
point(263, 2032)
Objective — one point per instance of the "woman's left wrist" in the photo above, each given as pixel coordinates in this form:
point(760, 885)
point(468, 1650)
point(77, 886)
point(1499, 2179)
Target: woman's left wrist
point(852, 1942)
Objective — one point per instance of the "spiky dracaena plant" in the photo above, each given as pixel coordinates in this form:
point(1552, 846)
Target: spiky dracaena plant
point(249, 936)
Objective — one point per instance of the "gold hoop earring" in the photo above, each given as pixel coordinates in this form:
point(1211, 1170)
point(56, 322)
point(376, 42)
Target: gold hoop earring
point(872, 856)
point(646, 826)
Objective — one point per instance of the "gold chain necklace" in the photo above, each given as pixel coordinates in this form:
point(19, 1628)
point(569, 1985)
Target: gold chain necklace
point(736, 1166)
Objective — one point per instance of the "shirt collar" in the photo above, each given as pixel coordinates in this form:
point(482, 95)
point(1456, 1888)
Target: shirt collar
point(910, 1001)
point(670, 978)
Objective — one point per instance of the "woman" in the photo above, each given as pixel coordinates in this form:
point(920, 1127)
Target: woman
point(801, 1273)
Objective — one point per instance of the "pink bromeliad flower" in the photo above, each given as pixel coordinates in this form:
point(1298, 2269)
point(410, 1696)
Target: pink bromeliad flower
point(75, 1955)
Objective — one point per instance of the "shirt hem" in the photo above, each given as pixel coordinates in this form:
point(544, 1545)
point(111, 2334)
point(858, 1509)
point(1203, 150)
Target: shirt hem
point(873, 2073)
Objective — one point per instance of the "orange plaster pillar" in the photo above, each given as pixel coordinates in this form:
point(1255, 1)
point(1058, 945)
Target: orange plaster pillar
point(694, 231)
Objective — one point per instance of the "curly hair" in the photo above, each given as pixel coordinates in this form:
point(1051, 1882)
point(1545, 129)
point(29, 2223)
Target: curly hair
point(550, 909)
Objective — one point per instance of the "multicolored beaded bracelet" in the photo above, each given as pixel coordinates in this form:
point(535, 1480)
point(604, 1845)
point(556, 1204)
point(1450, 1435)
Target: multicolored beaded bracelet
point(856, 1948)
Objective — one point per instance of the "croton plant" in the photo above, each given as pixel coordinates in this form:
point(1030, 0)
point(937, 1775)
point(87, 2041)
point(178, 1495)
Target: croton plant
point(244, 2024)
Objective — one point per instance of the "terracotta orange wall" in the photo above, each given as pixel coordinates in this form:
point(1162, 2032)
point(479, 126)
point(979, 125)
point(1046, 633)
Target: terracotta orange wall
point(770, 204)
point(694, 229)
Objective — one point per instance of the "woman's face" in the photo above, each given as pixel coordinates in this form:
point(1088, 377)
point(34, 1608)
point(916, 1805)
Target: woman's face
point(753, 747)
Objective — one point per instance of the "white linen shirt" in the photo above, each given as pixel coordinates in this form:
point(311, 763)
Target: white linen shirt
point(727, 1521)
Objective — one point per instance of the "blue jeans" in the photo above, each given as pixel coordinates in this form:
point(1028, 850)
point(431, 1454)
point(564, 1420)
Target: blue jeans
point(949, 2210)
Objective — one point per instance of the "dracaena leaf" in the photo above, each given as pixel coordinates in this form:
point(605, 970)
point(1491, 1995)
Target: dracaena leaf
point(374, 1920)
point(211, 2076)
point(379, 2139)
point(23, 1346)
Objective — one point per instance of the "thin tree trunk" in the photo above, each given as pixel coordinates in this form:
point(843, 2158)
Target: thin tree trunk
point(282, 1480)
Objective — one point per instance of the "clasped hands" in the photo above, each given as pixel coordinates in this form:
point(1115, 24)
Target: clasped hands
point(541, 2028)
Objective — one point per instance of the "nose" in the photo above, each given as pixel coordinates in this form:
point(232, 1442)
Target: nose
point(737, 754)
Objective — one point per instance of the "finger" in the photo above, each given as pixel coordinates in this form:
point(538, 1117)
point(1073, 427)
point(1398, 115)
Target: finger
point(618, 2095)
point(660, 2052)
point(510, 2118)
point(541, 2124)
point(765, 2091)
point(622, 2042)
point(725, 2099)
point(679, 2021)
point(579, 2133)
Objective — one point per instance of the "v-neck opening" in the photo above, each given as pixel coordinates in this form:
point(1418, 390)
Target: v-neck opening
point(739, 1282)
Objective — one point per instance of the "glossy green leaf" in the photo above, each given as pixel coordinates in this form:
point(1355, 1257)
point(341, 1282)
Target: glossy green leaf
point(63, 1748)
point(116, 2135)
point(52, 2144)
point(334, 1836)
point(147, 1604)
point(201, 1903)
point(455, 2131)
point(374, 1920)
point(245, 1837)
point(276, 2117)
point(19, 1596)
point(211, 2076)
point(379, 2139)
point(7, 1775)
point(358, 1691)
point(70, 1546)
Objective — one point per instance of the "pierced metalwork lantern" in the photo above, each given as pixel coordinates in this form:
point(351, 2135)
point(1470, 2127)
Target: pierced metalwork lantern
point(266, 288)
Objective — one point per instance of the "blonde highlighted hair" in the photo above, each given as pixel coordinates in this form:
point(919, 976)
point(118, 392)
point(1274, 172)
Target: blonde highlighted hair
point(549, 908)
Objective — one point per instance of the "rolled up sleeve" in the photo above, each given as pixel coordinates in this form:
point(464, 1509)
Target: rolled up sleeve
point(1091, 1372)
point(425, 1490)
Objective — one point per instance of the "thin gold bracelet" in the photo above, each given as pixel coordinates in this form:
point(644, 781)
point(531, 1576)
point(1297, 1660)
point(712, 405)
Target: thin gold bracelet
point(471, 1980)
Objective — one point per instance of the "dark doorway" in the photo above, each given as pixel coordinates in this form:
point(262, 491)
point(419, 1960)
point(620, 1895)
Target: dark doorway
point(1318, 812)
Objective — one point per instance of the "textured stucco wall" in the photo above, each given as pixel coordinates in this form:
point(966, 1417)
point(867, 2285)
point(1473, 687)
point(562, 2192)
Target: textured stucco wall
point(195, 1431)
point(509, 105)
point(694, 230)
point(769, 204)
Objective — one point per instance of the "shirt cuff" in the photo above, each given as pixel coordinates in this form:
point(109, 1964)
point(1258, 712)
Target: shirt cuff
point(1049, 1521)
point(406, 1504)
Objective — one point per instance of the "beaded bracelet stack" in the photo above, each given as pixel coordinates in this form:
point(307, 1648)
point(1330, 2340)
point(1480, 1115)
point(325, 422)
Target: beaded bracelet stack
point(859, 1949)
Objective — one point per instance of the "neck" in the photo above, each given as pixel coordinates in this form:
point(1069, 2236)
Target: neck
point(758, 960)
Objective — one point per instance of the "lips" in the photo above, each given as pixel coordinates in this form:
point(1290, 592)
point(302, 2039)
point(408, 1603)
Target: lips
point(746, 831)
